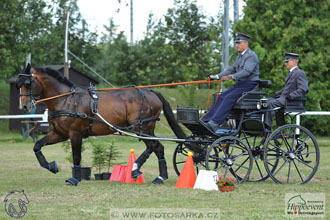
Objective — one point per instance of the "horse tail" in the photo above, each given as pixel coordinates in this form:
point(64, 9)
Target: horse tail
point(168, 112)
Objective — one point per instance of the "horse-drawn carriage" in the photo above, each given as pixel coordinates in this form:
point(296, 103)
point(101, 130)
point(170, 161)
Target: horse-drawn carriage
point(242, 149)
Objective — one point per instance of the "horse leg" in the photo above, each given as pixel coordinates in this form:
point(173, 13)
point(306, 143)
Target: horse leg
point(158, 148)
point(140, 161)
point(159, 151)
point(76, 141)
point(50, 138)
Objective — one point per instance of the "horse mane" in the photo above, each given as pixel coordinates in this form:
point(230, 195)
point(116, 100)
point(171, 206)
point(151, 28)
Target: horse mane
point(55, 74)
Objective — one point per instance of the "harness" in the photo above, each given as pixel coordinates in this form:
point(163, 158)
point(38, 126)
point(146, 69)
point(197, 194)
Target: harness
point(94, 106)
point(141, 120)
point(75, 114)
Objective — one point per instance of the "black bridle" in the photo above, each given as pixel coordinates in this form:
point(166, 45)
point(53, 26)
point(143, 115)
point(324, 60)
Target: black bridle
point(27, 80)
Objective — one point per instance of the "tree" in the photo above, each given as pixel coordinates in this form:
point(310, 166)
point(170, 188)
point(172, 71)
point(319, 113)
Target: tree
point(301, 26)
point(23, 24)
point(36, 27)
point(184, 42)
point(182, 46)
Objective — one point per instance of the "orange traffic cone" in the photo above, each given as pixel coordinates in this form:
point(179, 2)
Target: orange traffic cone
point(128, 178)
point(118, 173)
point(187, 177)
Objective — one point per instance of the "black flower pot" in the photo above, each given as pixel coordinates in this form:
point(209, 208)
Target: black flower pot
point(106, 176)
point(98, 176)
point(85, 173)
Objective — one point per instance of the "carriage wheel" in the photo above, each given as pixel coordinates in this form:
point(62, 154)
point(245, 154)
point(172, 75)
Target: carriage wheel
point(297, 153)
point(230, 158)
point(255, 143)
point(180, 156)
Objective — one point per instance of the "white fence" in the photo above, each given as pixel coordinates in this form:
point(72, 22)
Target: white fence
point(309, 113)
point(44, 116)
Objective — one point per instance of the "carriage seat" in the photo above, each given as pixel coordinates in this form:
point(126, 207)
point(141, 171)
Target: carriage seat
point(296, 105)
point(249, 99)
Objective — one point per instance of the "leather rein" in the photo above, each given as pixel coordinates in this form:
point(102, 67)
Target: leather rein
point(94, 103)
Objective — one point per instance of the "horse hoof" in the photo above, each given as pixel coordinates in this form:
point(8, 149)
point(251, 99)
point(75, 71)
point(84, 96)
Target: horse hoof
point(52, 167)
point(73, 181)
point(158, 181)
point(136, 173)
point(68, 183)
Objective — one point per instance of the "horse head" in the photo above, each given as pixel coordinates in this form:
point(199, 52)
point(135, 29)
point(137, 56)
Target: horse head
point(30, 88)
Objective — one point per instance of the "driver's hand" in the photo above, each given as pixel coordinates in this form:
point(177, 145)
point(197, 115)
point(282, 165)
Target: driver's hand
point(214, 77)
point(225, 78)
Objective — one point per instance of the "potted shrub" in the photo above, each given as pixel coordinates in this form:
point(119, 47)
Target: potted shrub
point(225, 184)
point(85, 171)
point(110, 156)
point(99, 160)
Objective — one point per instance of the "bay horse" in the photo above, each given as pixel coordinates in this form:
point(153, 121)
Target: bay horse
point(73, 116)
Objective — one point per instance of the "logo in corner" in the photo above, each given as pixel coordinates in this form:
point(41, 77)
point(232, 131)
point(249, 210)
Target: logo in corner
point(305, 205)
point(298, 200)
point(15, 204)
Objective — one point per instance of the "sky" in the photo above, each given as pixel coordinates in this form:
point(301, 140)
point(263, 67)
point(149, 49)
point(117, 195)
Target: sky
point(98, 12)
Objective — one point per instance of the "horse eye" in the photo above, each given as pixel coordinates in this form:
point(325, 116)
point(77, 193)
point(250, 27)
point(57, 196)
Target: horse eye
point(27, 83)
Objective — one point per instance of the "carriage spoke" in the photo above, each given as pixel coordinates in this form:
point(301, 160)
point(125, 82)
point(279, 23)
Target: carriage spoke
point(184, 150)
point(288, 180)
point(223, 150)
point(242, 164)
point(254, 141)
point(304, 163)
point(258, 167)
point(298, 171)
point(306, 139)
point(237, 177)
point(239, 166)
point(307, 153)
point(238, 155)
point(276, 158)
point(299, 148)
point(275, 147)
point(287, 145)
point(302, 143)
point(226, 172)
point(232, 149)
point(270, 164)
point(280, 168)
point(294, 138)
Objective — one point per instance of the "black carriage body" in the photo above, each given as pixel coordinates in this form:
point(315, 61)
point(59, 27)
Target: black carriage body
point(243, 140)
point(242, 116)
point(245, 117)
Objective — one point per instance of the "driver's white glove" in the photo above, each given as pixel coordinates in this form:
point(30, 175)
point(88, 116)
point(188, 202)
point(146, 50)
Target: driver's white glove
point(214, 77)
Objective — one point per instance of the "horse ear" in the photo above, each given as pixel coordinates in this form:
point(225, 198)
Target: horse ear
point(28, 69)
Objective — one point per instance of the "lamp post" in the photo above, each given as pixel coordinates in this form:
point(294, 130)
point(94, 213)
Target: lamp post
point(66, 27)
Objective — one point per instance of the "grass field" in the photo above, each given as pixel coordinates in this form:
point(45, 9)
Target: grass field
point(49, 198)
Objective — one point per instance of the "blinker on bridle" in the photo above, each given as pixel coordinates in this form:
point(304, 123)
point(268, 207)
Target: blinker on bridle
point(28, 84)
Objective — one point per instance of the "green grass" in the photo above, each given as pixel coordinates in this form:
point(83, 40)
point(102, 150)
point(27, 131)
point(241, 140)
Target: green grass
point(51, 199)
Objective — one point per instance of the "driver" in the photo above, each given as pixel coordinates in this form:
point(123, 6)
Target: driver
point(245, 71)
